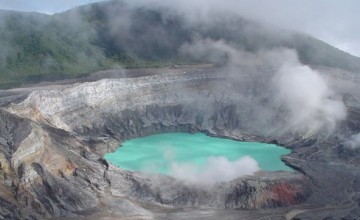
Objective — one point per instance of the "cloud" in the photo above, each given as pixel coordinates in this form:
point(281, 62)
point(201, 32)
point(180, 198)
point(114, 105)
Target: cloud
point(353, 142)
point(313, 17)
point(216, 169)
point(302, 102)
point(312, 104)
point(215, 51)
point(48, 7)
point(270, 86)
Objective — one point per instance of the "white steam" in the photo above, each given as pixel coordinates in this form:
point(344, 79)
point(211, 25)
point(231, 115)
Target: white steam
point(353, 142)
point(300, 96)
point(216, 169)
point(215, 51)
point(312, 104)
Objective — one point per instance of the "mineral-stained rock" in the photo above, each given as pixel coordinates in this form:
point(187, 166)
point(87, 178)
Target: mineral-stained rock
point(52, 142)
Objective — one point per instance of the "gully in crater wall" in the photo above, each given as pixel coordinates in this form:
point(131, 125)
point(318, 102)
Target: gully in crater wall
point(79, 123)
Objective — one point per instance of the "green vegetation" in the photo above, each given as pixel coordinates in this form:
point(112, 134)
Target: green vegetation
point(39, 47)
point(36, 47)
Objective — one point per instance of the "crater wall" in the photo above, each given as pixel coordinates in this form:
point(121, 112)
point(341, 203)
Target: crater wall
point(53, 141)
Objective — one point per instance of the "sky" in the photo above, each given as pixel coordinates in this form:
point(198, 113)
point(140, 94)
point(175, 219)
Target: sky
point(336, 22)
point(45, 6)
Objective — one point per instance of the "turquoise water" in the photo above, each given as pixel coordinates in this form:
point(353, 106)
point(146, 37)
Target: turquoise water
point(197, 155)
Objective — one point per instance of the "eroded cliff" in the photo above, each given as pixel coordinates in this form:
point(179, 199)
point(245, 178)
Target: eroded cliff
point(53, 140)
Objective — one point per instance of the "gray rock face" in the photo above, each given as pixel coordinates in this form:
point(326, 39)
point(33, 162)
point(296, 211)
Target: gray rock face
point(260, 191)
point(53, 140)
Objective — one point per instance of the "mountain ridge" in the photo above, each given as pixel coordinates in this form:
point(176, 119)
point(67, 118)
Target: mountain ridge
point(113, 34)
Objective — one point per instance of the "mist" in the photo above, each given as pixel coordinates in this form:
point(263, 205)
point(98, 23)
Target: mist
point(267, 72)
point(302, 102)
point(216, 169)
point(353, 142)
point(313, 18)
point(312, 105)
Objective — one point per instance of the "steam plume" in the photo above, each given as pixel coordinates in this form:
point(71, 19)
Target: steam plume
point(216, 169)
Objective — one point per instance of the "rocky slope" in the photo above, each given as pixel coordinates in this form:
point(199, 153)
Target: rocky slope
point(53, 138)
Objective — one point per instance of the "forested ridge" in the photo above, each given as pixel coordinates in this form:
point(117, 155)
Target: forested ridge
point(35, 47)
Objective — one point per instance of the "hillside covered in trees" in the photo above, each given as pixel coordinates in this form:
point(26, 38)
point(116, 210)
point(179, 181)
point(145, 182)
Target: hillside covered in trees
point(35, 47)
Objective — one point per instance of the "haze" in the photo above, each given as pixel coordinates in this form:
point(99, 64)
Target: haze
point(335, 22)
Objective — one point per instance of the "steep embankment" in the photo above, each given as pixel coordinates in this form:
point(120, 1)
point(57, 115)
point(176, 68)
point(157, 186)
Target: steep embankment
point(54, 139)
point(70, 128)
